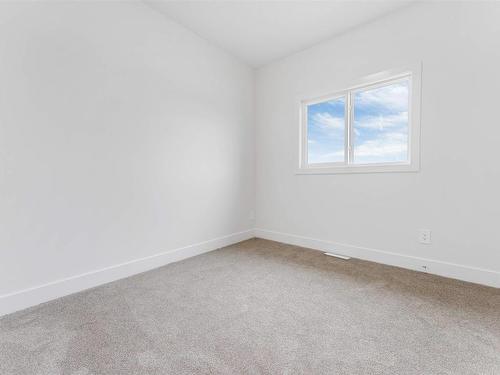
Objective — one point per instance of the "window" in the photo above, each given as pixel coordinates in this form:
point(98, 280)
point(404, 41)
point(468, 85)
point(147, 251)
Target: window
point(326, 131)
point(372, 127)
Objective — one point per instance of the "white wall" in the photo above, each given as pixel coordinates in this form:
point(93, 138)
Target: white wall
point(456, 192)
point(122, 135)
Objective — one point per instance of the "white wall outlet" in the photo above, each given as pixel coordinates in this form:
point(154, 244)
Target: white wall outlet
point(424, 236)
point(251, 215)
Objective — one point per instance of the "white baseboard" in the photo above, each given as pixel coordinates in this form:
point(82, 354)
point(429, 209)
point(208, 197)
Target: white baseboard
point(451, 270)
point(33, 296)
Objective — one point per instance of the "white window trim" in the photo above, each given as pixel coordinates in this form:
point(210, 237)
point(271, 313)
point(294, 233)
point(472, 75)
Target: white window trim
point(413, 71)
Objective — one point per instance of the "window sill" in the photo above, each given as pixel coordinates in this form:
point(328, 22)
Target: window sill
point(394, 168)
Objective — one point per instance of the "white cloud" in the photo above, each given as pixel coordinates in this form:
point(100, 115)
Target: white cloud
point(326, 157)
point(393, 97)
point(390, 147)
point(326, 121)
point(383, 122)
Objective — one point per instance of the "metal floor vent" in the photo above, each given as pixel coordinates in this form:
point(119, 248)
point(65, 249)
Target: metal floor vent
point(338, 256)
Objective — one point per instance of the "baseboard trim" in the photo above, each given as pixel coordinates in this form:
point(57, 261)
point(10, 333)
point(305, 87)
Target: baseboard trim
point(451, 270)
point(23, 299)
point(19, 300)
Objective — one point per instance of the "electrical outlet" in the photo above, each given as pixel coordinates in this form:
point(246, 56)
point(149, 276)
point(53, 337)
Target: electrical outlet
point(251, 215)
point(424, 236)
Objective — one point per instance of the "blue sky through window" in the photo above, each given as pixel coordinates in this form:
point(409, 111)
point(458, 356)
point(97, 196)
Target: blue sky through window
point(326, 131)
point(380, 128)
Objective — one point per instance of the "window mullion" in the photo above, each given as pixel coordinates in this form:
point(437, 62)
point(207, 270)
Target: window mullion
point(349, 138)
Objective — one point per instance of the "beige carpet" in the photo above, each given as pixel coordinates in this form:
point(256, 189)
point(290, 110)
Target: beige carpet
point(261, 307)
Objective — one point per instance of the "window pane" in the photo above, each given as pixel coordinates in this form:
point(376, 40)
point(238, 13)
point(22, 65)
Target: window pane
point(326, 131)
point(380, 129)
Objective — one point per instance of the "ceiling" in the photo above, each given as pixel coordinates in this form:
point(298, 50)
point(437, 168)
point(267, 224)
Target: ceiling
point(259, 32)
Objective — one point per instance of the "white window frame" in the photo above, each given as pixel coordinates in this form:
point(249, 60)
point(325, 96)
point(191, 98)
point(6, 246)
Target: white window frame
point(414, 74)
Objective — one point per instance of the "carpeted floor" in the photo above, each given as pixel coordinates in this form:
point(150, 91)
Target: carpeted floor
point(261, 307)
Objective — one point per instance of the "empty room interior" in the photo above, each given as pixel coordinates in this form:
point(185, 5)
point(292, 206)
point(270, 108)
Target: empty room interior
point(249, 187)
